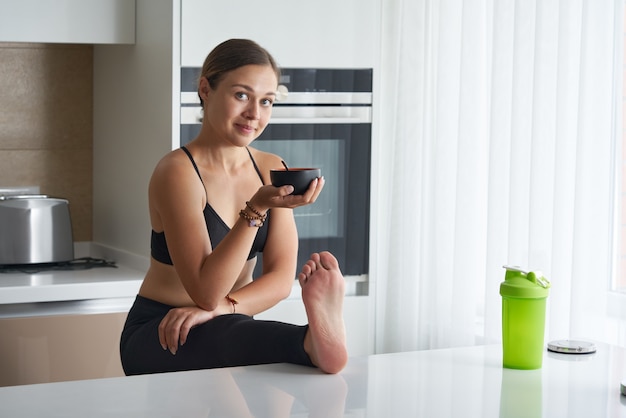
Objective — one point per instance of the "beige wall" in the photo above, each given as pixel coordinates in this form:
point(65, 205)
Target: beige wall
point(46, 124)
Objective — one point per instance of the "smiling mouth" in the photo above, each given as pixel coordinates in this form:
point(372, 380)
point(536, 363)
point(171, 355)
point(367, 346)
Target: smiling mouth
point(247, 128)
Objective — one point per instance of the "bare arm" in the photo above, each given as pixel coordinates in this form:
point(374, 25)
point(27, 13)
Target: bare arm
point(207, 274)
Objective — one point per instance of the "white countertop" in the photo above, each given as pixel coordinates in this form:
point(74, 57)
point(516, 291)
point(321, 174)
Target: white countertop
point(463, 382)
point(21, 292)
point(95, 283)
point(95, 290)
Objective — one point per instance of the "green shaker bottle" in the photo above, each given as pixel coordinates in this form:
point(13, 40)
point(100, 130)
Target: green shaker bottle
point(524, 297)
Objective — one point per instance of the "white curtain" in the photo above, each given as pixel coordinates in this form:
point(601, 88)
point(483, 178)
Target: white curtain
point(496, 145)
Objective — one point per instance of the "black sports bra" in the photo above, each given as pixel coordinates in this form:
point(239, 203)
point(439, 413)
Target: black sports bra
point(216, 226)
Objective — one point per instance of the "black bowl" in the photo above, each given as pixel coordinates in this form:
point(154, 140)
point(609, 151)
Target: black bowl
point(299, 178)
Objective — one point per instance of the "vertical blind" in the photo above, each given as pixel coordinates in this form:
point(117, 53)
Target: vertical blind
point(497, 145)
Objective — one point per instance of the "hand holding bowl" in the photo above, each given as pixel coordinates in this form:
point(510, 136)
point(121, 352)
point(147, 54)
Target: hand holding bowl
point(299, 178)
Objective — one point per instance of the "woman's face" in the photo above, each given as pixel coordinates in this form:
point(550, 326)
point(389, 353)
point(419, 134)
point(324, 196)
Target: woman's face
point(239, 109)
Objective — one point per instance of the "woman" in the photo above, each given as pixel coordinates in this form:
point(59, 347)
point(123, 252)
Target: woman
point(212, 208)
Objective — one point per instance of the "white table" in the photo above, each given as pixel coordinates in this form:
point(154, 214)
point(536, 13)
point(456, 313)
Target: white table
point(458, 382)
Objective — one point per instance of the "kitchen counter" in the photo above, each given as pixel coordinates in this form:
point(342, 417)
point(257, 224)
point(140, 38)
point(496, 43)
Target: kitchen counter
point(98, 289)
point(41, 312)
point(108, 290)
point(65, 324)
point(467, 382)
point(96, 283)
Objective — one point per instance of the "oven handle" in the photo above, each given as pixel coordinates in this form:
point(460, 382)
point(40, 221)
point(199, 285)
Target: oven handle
point(319, 121)
point(301, 98)
point(297, 115)
point(312, 214)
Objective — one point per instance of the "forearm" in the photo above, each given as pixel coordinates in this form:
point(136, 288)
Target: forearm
point(263, 293)
point(222, 268)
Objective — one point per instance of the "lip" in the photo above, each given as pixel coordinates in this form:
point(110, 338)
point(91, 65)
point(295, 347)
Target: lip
point(246, 128)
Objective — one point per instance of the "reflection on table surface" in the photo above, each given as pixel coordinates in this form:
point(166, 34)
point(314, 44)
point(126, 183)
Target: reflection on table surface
point(463, 382)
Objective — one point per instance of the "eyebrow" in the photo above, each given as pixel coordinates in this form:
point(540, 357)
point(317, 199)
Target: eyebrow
point(248, 88)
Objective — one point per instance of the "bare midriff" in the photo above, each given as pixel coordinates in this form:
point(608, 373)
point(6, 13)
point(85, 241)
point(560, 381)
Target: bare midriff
point(162, 283)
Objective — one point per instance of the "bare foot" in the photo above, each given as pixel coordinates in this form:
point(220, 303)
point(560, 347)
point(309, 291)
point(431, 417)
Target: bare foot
point(323, 290)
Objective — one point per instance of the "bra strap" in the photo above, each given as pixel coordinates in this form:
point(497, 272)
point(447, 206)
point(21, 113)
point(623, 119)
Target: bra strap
point(255, 166)
point(195, 168)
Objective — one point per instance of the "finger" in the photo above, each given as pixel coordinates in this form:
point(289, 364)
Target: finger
point(184, 330)
point(172, 334)
point(320, 186)
point(312, 191)
point(285, 190)
point(162, 328)
point(317, 190)
point(173, 339)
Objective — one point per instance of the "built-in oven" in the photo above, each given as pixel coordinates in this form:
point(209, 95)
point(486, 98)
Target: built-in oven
point(321, 118)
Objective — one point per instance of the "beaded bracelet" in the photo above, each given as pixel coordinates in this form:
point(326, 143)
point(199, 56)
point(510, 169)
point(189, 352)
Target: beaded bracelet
point(256, 212)
point(233, 301)
point(258, 222)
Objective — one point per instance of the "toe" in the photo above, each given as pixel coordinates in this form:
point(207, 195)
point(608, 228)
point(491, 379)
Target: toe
point(328, 261)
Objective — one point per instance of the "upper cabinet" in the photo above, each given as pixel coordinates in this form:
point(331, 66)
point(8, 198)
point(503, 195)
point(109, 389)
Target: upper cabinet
point(68, 21)
point(313, 34)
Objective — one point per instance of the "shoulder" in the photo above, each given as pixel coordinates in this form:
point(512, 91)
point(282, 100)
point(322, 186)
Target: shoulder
point(174, 162)
point(265, 160)
point(174, 192)
point(173, 172)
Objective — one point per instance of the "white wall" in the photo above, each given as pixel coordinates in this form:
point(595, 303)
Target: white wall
point(134, 120)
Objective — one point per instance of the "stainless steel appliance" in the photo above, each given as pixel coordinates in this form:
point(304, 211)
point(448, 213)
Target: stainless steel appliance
point(322, 118)
point(35, 229)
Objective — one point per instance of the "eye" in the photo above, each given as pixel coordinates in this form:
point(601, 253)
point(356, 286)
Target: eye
point(241, 95)
point(267, 102)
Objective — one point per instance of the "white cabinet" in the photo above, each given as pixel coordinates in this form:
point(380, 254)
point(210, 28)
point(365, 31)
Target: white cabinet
point(68, 21)
point(315, 34)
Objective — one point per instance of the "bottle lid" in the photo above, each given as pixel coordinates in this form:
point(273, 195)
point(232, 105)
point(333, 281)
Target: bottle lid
point(572, 347)
point(519, 283)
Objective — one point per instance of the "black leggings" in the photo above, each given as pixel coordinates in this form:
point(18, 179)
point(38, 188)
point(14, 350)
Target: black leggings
point(224, 341)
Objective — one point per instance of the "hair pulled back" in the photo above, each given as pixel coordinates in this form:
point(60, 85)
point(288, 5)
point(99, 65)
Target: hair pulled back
point(232, 54)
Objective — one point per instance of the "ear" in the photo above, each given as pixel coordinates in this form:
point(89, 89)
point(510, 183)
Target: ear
point(204, 88)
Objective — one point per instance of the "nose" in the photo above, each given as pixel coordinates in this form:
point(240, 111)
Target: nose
point(252, 111)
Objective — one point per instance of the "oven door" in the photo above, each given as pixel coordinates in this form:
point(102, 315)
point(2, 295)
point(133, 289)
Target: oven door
point(338, 221)
point(321, 118)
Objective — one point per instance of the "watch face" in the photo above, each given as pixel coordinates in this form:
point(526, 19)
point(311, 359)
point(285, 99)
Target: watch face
point(572, 347)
